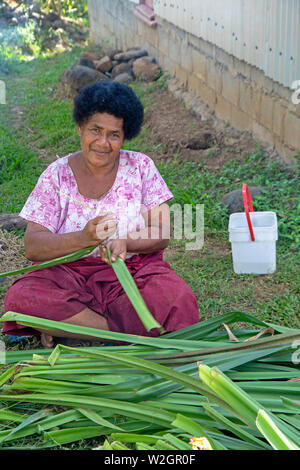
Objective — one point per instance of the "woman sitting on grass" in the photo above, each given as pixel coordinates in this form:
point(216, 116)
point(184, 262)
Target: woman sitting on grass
point(101, 193)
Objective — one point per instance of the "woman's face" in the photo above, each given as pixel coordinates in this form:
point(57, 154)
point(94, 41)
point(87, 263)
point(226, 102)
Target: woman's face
point(101, 139)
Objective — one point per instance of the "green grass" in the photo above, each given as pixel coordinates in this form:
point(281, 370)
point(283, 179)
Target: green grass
point(47, 126)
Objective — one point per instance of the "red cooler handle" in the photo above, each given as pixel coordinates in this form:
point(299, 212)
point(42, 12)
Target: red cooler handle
point(247, 200)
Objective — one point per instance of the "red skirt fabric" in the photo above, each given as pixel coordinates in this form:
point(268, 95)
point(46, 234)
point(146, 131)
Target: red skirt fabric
point(62, 291)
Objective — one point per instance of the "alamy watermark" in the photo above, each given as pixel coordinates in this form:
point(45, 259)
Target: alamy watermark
point(2, 92)
point(296, 95)
point(2, 352)
point(296, 354)
point(188, 224)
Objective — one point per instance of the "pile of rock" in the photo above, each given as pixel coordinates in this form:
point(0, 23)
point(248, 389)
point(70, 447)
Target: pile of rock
point(19, 14)
point(133, 64)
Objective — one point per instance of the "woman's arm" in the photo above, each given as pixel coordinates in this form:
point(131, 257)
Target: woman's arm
point(42, 245)
point(155, 236)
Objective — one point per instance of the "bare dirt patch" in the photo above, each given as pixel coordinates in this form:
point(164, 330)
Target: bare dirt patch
point(177, 130)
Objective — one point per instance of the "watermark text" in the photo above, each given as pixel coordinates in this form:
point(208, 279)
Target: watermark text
point(296, 354)
point(2, 92)
point(296, 95)
point(2, 352)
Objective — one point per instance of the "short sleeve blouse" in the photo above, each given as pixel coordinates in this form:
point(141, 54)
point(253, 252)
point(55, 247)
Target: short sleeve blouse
point(57, 204)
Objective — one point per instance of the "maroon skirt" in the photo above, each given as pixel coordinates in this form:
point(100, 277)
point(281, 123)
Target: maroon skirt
point(62, 291)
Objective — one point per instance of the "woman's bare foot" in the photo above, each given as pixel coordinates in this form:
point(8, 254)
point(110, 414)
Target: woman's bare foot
point(47, 341)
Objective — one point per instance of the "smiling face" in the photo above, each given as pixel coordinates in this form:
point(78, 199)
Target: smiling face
point(101, 136)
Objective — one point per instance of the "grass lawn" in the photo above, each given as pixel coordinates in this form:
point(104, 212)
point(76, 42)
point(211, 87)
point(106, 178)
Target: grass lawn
point(36, 126)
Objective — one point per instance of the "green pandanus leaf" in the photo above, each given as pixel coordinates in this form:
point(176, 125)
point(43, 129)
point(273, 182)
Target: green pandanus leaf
point(52, 262)
point(130, 287)
point(272, 433)
point(244, 406)
point(42, 323)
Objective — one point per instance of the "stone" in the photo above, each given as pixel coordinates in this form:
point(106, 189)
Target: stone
point(124, 78)
point(130, 54)
point(78, 76)
point(12, 222)
point(91, 55)
point(112, 52)
point(86, 62)
point(104, 64)
point(125, 67)
point(135, 48)
point(234, 200)
point(145, 68)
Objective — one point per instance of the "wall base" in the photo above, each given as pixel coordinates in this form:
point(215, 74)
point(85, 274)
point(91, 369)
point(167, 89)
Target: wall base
point(236, 91)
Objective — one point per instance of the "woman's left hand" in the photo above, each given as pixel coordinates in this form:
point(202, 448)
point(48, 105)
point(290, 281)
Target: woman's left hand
point(117, 247)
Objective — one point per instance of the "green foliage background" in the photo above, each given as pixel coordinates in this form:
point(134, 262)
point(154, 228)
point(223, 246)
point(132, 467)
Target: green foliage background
point(73, 8)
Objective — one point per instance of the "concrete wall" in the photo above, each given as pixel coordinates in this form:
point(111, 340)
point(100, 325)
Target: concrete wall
point(263, 33)
point(235, 90)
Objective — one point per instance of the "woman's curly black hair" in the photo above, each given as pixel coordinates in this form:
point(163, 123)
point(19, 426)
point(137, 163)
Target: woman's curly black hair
point(113, 98)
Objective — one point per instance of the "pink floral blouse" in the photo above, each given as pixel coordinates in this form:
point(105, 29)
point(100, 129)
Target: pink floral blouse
point(57, 204)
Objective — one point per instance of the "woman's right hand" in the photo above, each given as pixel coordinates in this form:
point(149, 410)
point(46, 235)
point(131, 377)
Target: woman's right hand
point(99, 229)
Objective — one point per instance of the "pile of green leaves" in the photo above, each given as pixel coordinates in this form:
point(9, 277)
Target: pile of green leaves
point(239, 392)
